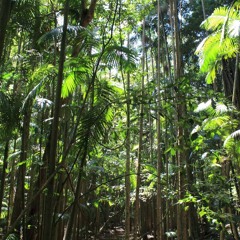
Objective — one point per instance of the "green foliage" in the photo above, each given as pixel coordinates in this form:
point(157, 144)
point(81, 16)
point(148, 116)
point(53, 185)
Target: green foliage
point(9, 114)
point(12, 237)
point(78, 72)
point(56, 33)
point(119, 56)
point(212, 144)
point(222, 42)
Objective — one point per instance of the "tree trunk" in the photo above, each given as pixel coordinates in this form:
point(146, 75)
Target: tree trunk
point(19, 202)
point(5, 11)
point(160, 235)
point(74, 209)
point(182, 233)
point(127, 178)
point(87, 15)
point(140, 146)
point(3, 175)
point(48, 232)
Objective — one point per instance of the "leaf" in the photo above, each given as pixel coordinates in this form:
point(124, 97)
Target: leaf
point(216, 122)
point(32, 94)
point(173, 152)
point(204, 106)
point(12, 237)
point(133, 181)
point(202, 213)
point(78, 73)
point(43, 103)
point(221, 108)
point(56, 33)
point(119, 56)
point(229, 141)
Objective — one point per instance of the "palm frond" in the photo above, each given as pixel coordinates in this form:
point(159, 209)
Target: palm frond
point(116, 56)
point(234, 29)
point(216, 19)
point(45, 70)
point(219, 17)
point(204, 106)
point(42, 103)
point(221, 108)
point(56, 33)
point(209, 51)
point(219, 45)
point(229, 48)
point(33, 93)
point(216, 122)
point(96, 122)
point(230, 141)
point(78, 71)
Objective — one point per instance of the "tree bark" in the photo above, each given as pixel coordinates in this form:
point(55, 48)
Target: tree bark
point(3, 176)
point(87, 15)
point(182, 233)
point(140, 146)
point(159, 222)
point(127, 178)
point(19, 202)
point(48, 232)
point(5, 11)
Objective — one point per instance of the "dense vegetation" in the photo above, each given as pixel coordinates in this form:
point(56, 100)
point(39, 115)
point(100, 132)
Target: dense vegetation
point(119, 119)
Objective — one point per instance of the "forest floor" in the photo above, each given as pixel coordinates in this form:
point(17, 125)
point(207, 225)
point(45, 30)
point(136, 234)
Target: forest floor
point(118, 233)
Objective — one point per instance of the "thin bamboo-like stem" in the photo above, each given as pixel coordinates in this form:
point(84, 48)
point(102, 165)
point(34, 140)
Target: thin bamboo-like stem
point(140, 145)
point(203, 9)
point(236, 80)
point(158, 125)
point(127, 178)
point(48, 213)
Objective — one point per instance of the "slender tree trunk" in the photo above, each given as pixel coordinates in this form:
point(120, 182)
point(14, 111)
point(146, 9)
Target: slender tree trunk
point(236, 85)
point(3, 176)
point(11, 187)
point(127, 178)
point(87, 15)
point(4, 18)
point(48, 232)
point(69, 231)
point(181, 112)
point(140, 146)
point(159, 222)
point(19, 202)
point(203, 9)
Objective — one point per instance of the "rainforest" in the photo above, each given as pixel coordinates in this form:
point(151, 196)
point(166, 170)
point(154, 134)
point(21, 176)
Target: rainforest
point(119, 119)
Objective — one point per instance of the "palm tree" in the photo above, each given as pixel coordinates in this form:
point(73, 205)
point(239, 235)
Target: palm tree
point(220, 49)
